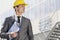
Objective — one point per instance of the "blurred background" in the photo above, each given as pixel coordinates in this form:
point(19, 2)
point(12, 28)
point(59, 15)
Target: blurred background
point(43, 15)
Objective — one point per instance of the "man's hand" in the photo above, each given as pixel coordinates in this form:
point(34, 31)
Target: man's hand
point(13, 35)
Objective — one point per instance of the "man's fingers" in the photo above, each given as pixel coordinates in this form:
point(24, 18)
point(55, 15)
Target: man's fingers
point(14, 35)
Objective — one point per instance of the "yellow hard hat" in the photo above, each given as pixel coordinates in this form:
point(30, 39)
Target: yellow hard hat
point(18, 2)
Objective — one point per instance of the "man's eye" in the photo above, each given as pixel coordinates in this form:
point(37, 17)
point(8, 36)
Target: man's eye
point(17, 6)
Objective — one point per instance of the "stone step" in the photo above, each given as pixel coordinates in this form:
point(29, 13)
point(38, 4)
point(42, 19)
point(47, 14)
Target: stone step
point(54, 33)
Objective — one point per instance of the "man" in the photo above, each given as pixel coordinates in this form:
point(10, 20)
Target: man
point(25, 32)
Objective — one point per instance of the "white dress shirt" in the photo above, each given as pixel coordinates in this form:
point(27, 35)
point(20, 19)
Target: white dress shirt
point(16, 19)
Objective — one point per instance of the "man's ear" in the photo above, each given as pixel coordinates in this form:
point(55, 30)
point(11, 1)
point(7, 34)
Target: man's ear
point(14, 8)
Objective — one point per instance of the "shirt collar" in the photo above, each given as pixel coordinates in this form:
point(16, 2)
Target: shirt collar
point(16, 17)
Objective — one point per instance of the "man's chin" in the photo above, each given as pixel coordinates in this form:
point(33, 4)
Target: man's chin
point(21, 12)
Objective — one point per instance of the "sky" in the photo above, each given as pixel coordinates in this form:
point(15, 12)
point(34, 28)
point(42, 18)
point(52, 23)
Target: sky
point(36, 10)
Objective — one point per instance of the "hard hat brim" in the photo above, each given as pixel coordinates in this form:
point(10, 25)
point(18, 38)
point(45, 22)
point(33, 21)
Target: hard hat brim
point(20, 4)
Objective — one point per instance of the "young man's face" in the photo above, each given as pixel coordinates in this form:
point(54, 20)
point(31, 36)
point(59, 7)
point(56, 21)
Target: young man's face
point(20, 9)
